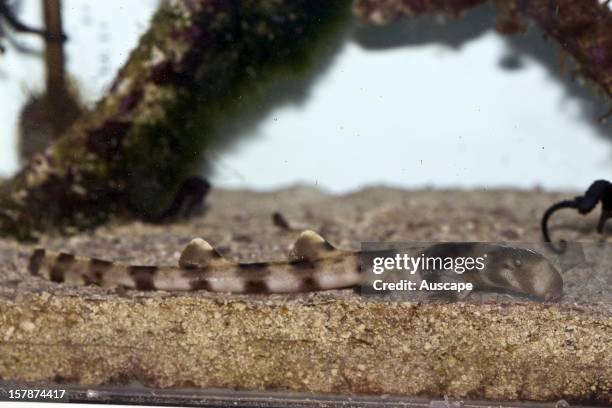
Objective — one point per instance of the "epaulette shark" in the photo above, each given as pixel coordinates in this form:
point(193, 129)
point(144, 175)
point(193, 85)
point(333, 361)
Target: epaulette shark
point(313, 265)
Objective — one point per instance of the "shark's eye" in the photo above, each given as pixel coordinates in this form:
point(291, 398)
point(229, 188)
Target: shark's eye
point(518, 263)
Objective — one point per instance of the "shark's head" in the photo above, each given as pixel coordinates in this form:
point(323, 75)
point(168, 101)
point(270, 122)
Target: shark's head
point(526, 272)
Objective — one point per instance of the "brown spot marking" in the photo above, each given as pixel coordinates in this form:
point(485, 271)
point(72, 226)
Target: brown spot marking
point(36, 260)
point(200, 284)
point(309, 284)
point(98, 267)
point(256, 286)
point(255, 266)
point(198, 279)
point(143, 276)
point(256, 274)
point(87, 280)
point(62, 263)
point(301, 264)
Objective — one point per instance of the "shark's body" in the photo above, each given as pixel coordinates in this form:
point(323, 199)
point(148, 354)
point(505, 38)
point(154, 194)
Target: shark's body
point(314, 265)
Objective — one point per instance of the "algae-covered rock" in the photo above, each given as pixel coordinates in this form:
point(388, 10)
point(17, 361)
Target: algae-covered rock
point(196, 65)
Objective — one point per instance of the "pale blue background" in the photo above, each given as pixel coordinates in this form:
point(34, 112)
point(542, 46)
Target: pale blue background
point(425, 115)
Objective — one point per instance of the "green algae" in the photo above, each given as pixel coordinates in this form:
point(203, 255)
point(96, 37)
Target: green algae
point(194, 69)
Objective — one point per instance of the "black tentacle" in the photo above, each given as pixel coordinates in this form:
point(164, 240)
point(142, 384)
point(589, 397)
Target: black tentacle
point(552, 209)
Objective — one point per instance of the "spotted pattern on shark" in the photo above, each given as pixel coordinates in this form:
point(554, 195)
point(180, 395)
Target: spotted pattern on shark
point(313, 265)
